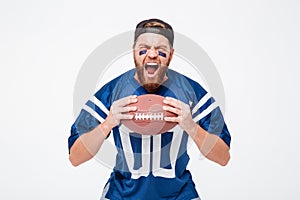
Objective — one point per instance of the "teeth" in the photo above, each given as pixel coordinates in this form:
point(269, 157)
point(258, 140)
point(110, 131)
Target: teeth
point(151, 64)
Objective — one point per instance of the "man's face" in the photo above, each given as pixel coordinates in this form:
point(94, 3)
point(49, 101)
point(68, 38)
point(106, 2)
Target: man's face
point(152, 55)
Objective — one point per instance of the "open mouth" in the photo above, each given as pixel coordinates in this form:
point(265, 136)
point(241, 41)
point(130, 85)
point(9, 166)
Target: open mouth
point(151, 67)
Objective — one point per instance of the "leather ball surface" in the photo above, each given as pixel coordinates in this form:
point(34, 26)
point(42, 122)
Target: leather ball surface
point(149, 117)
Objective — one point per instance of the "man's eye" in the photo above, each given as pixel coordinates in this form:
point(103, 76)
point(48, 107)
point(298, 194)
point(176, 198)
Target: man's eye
point(162, 54)
point(142, 52)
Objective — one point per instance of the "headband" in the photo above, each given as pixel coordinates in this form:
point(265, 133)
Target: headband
point(166, 32)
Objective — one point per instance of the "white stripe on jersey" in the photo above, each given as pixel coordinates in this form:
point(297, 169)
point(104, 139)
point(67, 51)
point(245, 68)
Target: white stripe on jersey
point(205, 112)
point(93, 113)
point(202, 101)
point(174, 154)
point(129, 154)
point(99, 104)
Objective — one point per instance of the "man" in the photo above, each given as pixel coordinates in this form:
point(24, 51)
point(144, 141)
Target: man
point(151, 167)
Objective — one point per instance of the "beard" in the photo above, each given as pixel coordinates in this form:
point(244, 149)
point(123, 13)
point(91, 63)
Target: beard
point(151, 86)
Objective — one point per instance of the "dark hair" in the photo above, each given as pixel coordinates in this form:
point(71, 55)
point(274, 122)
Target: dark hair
point(155, 26)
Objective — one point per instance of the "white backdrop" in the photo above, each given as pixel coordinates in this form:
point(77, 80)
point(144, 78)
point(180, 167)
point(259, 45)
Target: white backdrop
point(253, 44)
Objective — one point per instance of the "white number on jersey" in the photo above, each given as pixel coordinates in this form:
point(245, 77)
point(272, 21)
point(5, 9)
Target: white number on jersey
point(157, 170)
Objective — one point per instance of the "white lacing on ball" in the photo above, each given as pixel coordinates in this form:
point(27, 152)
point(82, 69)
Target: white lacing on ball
point(149, 116)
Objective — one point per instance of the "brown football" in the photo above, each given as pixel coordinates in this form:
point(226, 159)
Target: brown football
point(148, 119)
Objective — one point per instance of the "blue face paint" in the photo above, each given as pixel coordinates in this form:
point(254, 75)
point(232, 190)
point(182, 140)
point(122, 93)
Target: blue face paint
point(142, 52)
point(162, 54)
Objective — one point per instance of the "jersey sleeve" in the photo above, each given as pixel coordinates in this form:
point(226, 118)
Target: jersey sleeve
point(91, 115)
point(209, 116)
point(83, 124)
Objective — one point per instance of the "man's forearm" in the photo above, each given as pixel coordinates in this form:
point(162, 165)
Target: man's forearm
point(211, 146)
point(88, 144)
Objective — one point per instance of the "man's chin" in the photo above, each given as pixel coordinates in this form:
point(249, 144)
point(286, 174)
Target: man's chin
point(151, 87)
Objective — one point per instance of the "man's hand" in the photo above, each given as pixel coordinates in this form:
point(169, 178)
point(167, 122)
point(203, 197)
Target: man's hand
point(89, 144)
point(210, 145)
point(119, 109)
point(184, 118)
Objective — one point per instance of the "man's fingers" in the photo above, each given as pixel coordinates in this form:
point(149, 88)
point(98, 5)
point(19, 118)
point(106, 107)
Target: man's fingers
point(171, 119)
point(121, 110)
point(127, 116)
point(124, 116)
point(172, 102)
point(125, 101)
point(128, 109)
point(172, 109)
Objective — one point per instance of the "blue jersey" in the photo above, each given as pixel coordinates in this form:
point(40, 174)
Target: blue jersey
point(151, 166)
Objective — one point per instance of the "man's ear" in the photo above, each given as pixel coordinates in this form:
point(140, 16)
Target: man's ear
point(171, 54)
point(133, 45)
point(132, 49)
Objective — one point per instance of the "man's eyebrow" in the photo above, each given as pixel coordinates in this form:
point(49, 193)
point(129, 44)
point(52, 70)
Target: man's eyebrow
point(162, 46)
point(143, 45)
point(156, 47)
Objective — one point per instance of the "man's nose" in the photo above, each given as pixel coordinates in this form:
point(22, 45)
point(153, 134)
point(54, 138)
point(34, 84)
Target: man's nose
point(152, 52)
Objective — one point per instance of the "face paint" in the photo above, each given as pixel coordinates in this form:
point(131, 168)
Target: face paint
point(142, 52)
point(162, 54)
